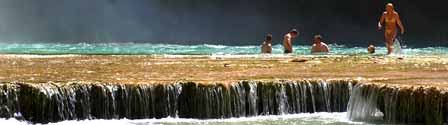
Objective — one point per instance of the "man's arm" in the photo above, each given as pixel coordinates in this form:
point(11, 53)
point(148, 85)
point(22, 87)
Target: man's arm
point(326, 48)
point(381, 21)
point(288, 42)
point(399, 23)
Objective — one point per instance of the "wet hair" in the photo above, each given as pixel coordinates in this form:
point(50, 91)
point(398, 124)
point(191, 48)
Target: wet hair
point(269, 37)
point(294, 31)
point(318, 37)
point(390, 4)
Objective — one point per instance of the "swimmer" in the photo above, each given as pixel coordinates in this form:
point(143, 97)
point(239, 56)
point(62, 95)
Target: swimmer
point(318, 45)
point(392, 19)
point(371, 49)
point(266, 46)
point(287, 42)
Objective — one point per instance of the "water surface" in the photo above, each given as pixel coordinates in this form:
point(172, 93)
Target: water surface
point(175, 49)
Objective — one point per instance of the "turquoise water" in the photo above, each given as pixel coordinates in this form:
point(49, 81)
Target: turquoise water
point(173, 49)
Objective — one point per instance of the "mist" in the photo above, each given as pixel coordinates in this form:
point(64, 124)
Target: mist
point(227, 22)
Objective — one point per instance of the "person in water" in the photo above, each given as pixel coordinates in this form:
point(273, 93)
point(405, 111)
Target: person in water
point(266, 47)
point(392, 19)
point(371, 49)
point(288, 38)
point(319, 46)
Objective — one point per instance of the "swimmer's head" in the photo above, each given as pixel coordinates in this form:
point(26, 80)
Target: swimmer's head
point(294, 33)
point(269, 37)
point(371, 49)
point(317, 39)
point(389, 7)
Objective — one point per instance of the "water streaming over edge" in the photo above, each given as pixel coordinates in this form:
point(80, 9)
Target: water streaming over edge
point(372, 103)
point(54, 102)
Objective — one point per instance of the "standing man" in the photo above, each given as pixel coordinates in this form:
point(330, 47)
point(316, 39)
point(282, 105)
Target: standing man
point(392, 19)
point(287, 41)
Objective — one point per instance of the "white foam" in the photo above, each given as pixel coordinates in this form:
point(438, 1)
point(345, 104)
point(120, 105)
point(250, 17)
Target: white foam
point(303, 118)
point(215, 46)
point(12, 122)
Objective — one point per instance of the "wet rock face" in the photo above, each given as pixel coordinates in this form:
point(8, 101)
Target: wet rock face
point(251, 98)
point(398, 105)
point(43, 103)
point(8, 100)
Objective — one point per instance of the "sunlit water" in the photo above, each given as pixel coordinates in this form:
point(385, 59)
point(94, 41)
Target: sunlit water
point(205, 49)
point(295, 119)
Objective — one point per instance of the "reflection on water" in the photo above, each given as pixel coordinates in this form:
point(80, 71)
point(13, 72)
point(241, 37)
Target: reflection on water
point(295, 119)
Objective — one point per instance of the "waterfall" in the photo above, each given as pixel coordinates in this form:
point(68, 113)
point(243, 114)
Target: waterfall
point(44, 103)
point(8, 100)
point(362, 105)
point(393, 104)
point(52, 102)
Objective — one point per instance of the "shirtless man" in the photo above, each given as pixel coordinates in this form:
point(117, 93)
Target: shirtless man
point(287, 41)
point(266, 47)
point(391, 18)
point(319, 46)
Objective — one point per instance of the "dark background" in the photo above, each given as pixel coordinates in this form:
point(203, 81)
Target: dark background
point(227, 22)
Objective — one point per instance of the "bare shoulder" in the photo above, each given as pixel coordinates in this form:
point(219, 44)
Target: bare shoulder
point(395, 13)
point(324, 44)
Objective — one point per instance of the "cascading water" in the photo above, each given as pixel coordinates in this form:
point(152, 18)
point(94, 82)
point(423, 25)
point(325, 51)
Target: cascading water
point(363, 103)
point(52, 102)
point(8, 100)
point(392, 104)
